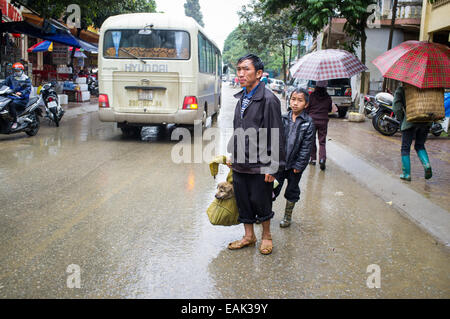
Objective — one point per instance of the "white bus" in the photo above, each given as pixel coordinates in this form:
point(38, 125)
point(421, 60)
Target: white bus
point(156, 68)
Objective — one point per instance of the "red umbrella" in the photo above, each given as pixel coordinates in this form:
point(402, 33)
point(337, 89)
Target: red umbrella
point(419, 63)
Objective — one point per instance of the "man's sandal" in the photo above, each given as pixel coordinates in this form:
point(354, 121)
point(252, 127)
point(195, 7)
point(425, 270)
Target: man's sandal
point(267, 248)
point(244, 242)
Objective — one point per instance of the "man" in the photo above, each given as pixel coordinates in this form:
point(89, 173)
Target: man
point(258, 152)
point(21, 85)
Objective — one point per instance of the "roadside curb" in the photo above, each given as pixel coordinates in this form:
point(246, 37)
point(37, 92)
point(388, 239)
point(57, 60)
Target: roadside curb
point(417, 208)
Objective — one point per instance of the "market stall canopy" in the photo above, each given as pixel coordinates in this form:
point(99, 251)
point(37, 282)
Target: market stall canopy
point(42, 46)
point(49, 32)
point(90, 35)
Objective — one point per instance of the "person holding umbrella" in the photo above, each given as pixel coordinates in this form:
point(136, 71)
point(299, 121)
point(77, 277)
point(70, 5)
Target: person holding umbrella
point(423, 65)
point(320, 104)
point(321, 66)
point(410, 131)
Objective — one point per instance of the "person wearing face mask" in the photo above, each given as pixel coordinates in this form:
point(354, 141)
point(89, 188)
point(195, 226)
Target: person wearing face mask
point(20, 83)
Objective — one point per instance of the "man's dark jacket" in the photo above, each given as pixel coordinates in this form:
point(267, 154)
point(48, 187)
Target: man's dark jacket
point(263, 112)
point(298, 157)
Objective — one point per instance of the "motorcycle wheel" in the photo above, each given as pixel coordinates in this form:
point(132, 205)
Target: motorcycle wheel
point(384, 127)
point(56, 118)
point(34, 127)
point(436, 133)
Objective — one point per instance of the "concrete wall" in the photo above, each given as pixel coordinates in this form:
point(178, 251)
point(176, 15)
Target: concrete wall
point(377, 41)
point(434, 19)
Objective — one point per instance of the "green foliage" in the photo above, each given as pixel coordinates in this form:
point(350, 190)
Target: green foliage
point(313, 15)
point(92, 12)
point(192, 9)
point(233, 48)
point(268, 36)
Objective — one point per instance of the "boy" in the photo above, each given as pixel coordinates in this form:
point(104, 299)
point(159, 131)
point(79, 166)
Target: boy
point(299, 133)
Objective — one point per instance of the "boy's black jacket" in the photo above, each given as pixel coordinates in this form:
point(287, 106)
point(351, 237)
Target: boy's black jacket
point(264, 111)
point(301, 149)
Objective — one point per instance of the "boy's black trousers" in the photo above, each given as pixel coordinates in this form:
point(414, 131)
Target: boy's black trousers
point(292, 192)
point(253, 197)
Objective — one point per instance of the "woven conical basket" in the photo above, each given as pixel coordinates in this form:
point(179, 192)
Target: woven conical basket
point(424, 105)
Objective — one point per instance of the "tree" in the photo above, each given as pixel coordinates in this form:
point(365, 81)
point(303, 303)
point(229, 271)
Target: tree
point(313, 16)
point(192, 9)
point(235, 47)
point(267, 34)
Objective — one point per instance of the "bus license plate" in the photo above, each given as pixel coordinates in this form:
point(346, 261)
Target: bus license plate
point(330, 91)
point(145, 95)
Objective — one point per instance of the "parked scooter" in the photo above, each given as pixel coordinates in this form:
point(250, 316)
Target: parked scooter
point(92, 85)
point(28, 118)
point(379, 109)
point(53, 109)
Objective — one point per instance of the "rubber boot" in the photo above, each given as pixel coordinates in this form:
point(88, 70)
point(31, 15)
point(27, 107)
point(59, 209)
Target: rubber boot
point(423, 156)
point(406, 168)
point(286, 222)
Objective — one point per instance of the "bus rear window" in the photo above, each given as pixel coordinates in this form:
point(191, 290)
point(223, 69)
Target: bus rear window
point(150, 44)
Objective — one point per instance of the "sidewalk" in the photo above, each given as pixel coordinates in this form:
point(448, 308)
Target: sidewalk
point(383, 152)
point(374, 161)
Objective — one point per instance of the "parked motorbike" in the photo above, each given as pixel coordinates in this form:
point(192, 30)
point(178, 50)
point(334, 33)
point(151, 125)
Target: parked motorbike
point(53, 109)
point(379, 109)
point(28, 118)
point(92, 85)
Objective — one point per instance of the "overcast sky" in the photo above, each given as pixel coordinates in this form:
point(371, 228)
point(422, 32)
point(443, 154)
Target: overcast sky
point(220, 16)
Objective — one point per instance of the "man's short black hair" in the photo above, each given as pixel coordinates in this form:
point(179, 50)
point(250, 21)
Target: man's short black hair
point(256, 61)
point(299, 90)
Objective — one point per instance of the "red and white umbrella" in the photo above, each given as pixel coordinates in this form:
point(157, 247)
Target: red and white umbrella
point(419, 63)
point(326, 65)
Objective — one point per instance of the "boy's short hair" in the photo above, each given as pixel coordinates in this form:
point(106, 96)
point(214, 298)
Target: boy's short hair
point(301, 90)
point(256, 61)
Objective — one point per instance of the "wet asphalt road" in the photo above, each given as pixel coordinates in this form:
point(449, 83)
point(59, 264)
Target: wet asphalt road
point(135, 224)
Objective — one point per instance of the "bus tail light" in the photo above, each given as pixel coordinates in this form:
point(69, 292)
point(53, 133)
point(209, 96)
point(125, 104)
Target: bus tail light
point(103, 101)
point(190, 103)
point(348, 92)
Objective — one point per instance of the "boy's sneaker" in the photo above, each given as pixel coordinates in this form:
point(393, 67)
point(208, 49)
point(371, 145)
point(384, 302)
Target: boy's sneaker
point(14, 126)
point(312, 162)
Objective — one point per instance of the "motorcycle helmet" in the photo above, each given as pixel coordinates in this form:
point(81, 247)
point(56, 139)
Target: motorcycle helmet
point(18, 69)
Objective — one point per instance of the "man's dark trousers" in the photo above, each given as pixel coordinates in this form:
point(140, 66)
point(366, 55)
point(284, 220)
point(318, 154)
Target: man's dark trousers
point(253, 195)
point(292, 193)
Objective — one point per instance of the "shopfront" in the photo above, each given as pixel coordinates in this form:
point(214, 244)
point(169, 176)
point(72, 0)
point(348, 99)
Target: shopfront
point(12, 46)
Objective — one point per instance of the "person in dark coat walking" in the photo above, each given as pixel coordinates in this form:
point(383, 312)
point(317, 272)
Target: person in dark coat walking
point(320, 104)
point(410, 131)
point(257, 148)
point(299, 134)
